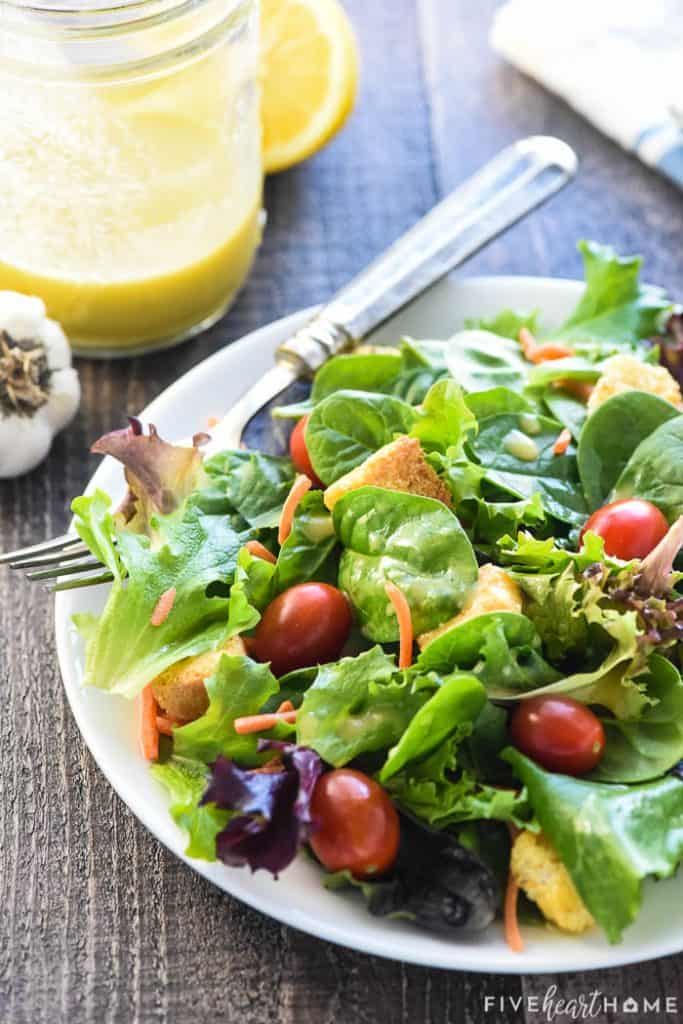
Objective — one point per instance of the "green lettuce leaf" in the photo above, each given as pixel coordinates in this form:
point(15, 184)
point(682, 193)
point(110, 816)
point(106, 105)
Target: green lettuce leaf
point(435, 791)
point(502, 649)
point(356, 706)
point(196, 555)
point(508, 323)
point(185, 781)
point(645, 748)
point(444, 418)
point(609, 837)
point(616, 309)
point(96, 526)
point(238, 687)
point(454, 707)
point(416, 543)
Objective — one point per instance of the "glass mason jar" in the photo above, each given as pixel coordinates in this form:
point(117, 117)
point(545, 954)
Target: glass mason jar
point(130, 164)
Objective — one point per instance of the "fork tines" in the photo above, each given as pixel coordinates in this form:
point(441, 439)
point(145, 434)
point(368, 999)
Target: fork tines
point(66, 556)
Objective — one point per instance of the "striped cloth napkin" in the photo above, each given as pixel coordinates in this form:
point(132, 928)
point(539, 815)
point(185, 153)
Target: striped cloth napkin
point(618, 62)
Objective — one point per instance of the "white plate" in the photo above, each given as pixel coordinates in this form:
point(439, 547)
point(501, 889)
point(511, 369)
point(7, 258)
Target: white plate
point(108, 723)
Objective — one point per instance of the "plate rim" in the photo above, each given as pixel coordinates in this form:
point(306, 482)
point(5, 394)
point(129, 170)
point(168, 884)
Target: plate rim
point(365, 941)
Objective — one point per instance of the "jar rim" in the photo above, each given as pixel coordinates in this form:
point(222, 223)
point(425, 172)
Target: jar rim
point(104, 15)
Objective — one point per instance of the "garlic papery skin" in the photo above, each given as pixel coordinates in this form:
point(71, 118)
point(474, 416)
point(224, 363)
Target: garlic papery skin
point(39, 389)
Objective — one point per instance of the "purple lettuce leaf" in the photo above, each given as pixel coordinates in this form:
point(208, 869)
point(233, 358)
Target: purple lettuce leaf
point(273, 808)
point(159, 475)
point(671, 346)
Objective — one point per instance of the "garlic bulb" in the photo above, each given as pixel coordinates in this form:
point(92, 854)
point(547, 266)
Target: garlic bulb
point(39, 389)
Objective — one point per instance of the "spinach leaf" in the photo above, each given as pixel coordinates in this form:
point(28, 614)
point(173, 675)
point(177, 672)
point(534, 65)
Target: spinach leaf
point(609, 837)
point(238, 687)
point(416, 543)
point(453, 708)
point(566, 409)
point(615, 310)
point(355, 706)
point(255, 484)
point(645, 748)
point(480, 360)
point(555, 477)
point(364, 371)
point(418, 374)
point(611, 435)
point(348, 426)
point(497, 400)
point(185, 781)
point(655, 470)
point(309, 551)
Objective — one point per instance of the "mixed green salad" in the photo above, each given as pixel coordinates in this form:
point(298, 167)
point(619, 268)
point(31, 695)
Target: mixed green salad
point(436, 645)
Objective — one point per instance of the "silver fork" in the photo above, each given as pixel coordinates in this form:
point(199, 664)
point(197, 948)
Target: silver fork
point(515, 182)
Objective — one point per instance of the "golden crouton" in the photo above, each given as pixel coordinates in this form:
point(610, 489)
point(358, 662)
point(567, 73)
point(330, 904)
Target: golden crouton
point(494, 591)
point(179, 690)
point(398, 466)
point(541, 874)
point(626, 373)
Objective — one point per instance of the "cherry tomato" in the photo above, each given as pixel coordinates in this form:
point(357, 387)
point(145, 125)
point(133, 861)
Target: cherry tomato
point(299, 451)
point(358, 827)
point(558, 733)
point(305, 625)
point(630, 528)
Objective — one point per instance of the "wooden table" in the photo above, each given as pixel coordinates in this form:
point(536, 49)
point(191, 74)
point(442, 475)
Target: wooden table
point(98, 922)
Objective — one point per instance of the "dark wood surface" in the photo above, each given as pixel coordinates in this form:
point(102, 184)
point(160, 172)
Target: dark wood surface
point(98, 923)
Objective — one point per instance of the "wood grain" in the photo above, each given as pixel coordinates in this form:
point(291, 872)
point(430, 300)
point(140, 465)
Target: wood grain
point(100, 924)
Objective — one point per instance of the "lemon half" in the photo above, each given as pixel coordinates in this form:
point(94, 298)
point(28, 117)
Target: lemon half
point(309, 77)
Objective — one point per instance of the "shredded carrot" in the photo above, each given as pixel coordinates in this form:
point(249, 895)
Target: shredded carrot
point(259, 723)
point(212, 421)
point(543, 352)
point(549, 350)
point(165, 725)
point(564, 439)
point(405, 624)
point(259, 550)
point(149, 731)
point(301, 485)
point(163, 607)
point(513, 936)
point(581, 389)
point(285, 706)
point(527, 343)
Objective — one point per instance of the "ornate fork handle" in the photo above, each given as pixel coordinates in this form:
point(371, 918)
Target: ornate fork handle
point(504, 190)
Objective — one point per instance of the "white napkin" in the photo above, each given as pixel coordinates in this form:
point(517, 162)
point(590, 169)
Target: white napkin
point(618, 62)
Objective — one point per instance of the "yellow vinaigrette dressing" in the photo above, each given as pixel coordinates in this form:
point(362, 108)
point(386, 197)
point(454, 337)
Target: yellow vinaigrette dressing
point(130, 173)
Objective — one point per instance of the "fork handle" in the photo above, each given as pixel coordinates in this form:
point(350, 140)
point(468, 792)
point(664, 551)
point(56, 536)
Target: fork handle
point(516, 181)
